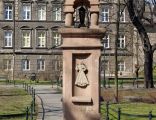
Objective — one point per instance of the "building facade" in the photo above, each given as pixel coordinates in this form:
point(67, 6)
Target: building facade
point(29, 33)
point(108, 19)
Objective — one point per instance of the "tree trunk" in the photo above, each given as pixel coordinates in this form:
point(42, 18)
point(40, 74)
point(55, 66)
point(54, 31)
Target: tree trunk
point(148, 69)
point(148, 49)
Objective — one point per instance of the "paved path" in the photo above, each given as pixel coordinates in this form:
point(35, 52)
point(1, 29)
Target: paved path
point(50, 105)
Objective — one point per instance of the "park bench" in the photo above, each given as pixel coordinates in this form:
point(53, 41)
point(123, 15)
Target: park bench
point(127, 80)
point(4, 78)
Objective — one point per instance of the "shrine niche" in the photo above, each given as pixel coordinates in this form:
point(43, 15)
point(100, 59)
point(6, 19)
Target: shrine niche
point(81, 49)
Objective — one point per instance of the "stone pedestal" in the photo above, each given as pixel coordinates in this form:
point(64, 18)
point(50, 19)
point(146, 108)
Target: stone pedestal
point(81, 54)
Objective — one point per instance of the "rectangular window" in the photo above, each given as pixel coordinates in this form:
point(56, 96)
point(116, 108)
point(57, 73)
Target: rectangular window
point(26, 39)
point(41, 38)
point(7, 64)
point(121, 66)
point(8, 9)
point(41, 64)
point(8, 39)
point(41, 12)
point(56, 13)
point(25, 64)
point(56, 65)
point(26, 12)
point(105, 15)
point(122, 15)
point(56, 38)
point(121, 41)
point(106, 41)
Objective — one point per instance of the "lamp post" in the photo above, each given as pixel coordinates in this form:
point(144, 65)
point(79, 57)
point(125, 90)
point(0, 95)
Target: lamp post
point(104, 80)
point(13, 65)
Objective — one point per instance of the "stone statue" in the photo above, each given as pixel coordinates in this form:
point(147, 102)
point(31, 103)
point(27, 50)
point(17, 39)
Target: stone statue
point(81, 79)
point(82, 12)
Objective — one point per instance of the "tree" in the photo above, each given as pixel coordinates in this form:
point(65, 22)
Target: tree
point(137, 9)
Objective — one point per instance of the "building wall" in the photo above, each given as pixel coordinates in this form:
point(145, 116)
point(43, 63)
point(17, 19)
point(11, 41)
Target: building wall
point(50, 53)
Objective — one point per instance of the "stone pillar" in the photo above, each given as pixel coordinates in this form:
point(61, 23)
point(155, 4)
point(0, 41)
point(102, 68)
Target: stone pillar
point(68, 19)
point(94, 19)
point(81, 54)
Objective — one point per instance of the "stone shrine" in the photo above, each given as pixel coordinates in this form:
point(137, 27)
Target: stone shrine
point(81, 55)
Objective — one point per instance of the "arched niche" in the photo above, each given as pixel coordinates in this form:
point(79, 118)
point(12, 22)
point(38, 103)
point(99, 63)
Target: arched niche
point(78, 3)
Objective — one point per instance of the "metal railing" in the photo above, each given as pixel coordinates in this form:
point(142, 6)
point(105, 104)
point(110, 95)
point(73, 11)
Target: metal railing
point(116, 114)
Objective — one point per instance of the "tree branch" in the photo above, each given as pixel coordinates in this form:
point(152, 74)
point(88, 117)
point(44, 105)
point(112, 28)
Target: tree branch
point(137, 22)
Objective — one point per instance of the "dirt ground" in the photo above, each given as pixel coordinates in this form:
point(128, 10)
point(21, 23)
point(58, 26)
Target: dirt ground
point(132, 95)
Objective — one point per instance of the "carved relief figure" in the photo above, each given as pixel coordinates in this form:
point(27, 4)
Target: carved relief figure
point(81, 79)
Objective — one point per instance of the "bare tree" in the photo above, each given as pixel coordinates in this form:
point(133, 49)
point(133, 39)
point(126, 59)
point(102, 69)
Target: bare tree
point(137, 10)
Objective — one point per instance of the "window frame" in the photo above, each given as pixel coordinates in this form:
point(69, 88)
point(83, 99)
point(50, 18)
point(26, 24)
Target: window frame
point(24, 13)
point(121, 66)
point(7, 64)
point(38, 12)
point(105, 14)
point(30, 39)
point(8, 40)
point(56, 40)
point(106, 38)
point(121, 41)
point(122, 16)
point(25, 65)
point(56, 14)
point(7, 12)
point(41, 64)
point(38, 31)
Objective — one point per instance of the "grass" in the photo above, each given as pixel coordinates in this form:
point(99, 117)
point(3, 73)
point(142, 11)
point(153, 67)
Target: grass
point(129, 108)
point(131, 101)
point(13, 101)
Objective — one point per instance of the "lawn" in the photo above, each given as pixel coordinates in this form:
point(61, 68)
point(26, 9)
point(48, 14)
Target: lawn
point(13, 101)
point(129, 108)
point(131, 101)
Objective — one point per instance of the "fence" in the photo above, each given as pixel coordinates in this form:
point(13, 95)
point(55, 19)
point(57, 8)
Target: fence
point(109, 81)
point(118, 113)
point(30, 111)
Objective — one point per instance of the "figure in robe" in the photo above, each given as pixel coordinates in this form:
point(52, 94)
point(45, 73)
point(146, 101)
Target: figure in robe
point(81, 79)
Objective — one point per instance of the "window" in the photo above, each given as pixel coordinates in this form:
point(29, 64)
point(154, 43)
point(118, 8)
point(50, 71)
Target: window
point(41, 64)
point(56, 38)
point(7, 64)
point(122, 15)
point(8, 38)
point(25, 64)
point(41, 12)
point(26, 12)
point(121, 41)
point(56, 62)
point(56, 13)
point(105, 15)
point(56, 65)
point(121, 66)
point(41, 37)
point(26, 39)
point(106, 41)
point(8, 9)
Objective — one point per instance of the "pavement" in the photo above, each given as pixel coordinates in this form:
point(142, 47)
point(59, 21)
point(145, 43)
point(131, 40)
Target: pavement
point(49, 100)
